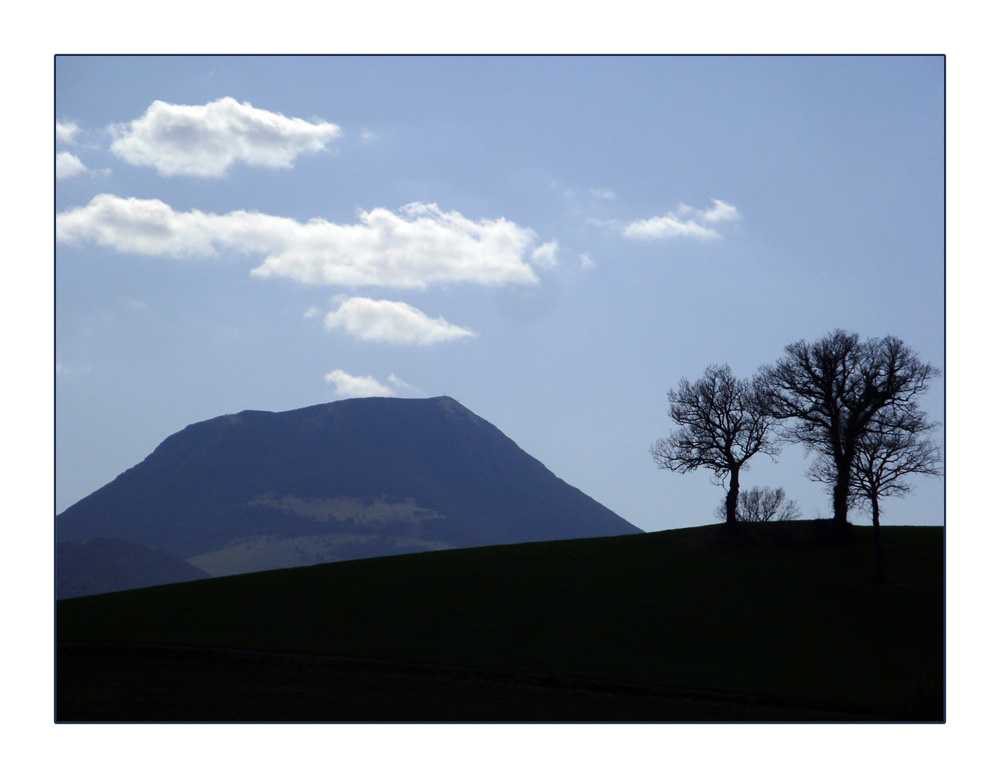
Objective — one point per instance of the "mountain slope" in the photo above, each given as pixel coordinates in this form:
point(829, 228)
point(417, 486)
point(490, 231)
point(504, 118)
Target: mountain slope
point(345, 480)
point(105, 565)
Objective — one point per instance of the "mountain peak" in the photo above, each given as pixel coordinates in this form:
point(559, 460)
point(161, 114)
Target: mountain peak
point(342, 480)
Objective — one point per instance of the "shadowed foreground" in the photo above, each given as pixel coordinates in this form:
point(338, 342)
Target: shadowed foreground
point(779, 623)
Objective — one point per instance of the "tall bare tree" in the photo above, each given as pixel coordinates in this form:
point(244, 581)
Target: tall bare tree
point(722, 422)
point(828, 393)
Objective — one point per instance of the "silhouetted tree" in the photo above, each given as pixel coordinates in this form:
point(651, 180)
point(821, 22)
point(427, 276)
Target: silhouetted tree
point(723, 421)
point(828, 392)
point(762, 503)
point(895, 445)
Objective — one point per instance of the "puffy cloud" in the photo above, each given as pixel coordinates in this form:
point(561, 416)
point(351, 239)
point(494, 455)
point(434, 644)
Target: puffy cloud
point(419, 246)
point(386, 321)
point(66, 132)
point(147, 227)
point(68, 165)
point(347, 385)
point(205, 140)
point(674, 225)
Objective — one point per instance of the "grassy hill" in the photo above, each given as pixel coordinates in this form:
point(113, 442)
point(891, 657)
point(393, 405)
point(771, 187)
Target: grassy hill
point(780, 622)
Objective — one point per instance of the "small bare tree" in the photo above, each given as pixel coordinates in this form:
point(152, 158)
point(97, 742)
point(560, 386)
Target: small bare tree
point(722, 422)
point(762, 503)
point(895, 445)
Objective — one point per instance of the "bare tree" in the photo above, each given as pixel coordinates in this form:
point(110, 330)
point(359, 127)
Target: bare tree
point(722, 422)
point(828, 392)
point(895, 445)
point(762, 503)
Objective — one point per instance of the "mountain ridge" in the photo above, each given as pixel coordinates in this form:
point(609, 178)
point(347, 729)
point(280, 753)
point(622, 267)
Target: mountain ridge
point(342, 480)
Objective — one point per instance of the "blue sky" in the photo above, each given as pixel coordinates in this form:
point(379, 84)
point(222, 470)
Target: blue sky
point(552, 241)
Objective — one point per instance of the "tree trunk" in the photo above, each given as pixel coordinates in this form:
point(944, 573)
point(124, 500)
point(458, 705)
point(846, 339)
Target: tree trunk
point(840, 492)
point(879, 551)
point(731, 498)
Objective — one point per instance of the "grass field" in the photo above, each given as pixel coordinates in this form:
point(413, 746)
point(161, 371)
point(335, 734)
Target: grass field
point(778, 623)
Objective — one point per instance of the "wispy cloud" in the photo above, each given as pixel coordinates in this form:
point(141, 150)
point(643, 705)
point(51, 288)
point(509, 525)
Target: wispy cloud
point(69, 165)
point(602, 194)
point(66, 132)
point(686, 222)
point(546, 256)
point(205, 140)
point(418, 246)
point(62, 369)
point(719, 212)
point(347, 385)
point(136, 304)
point(399, 383)
point(386, 321)
point(669, 226)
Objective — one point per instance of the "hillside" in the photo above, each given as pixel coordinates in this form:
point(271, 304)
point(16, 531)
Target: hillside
point(103, 565)
point(779, 623)
point(345, 480)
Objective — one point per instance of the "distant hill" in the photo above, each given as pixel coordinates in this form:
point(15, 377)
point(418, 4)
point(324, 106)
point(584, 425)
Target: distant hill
point(779, 622)
point(107, 565)
point(345, 480)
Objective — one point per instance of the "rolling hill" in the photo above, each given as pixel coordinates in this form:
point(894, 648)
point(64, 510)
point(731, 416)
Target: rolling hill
point(345, 480)
point(778, 622)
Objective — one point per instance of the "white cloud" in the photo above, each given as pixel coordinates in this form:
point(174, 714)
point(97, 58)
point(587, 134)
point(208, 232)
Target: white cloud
point(66, 132)
point(205, 140)
point(419, 246)
point(668, 226)
point(399, 383)
point(62, 369)
point(312, 312)
point(347, 385)
point(68, 165)
point(545, 255)
point(386, 321)
point(602, 194)
point(720, 212)
point(145, 227)
point(674, 225)
point(586, 262)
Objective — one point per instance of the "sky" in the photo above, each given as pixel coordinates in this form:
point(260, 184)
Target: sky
point(552, 241)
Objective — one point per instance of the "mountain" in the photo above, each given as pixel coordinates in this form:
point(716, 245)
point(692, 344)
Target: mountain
point(105, 565)
point(357, 478)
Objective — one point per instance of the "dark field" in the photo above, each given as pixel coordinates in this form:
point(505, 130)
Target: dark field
point(779, 623)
